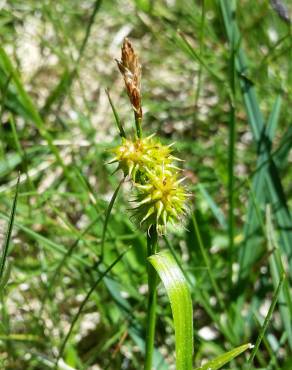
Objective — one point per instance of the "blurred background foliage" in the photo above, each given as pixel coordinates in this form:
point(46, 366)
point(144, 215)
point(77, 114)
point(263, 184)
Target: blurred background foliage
point(56, 60)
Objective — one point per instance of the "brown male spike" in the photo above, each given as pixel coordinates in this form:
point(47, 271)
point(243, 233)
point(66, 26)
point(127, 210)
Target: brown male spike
point(130, 69)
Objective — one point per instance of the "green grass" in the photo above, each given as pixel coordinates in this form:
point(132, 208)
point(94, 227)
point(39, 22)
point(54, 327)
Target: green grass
point(217, 81)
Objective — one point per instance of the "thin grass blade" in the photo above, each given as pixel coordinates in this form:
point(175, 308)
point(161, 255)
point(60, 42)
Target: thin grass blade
point(85, 300)
point(116, 115)
point(261, 135)
point(267, 319)
point(8, 233)
point(213, 206)
point(277, 271)
point(107, 216)
point(221, 360)
point(257, 190)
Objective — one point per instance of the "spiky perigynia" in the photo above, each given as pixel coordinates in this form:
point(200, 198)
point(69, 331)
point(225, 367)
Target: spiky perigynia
point(159, 196)
point(160, 200)
point(137, 156)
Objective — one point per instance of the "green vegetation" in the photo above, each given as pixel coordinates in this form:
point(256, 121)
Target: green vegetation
point(74, 265)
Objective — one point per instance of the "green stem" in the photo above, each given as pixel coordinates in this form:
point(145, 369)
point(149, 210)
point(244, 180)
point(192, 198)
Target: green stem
point(231, 218)
point(151, 310)
point(201, 40)
point(138, 121)
point(116, 115)
point(267, 319)
point(231, 158)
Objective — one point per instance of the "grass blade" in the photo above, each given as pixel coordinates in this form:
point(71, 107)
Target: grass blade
point(221, 360)
point(213, 206)
point(31, 110)
point(267, 319)
point(181, 305)
point(48, 244)
point(63, 261)
point(66, 81)
point(277, 270)
point(83, 303)
point(107, 216)
point(231, 159)
point(9, 231)
point(261, 135)
point(116, 115)
point(257, 192)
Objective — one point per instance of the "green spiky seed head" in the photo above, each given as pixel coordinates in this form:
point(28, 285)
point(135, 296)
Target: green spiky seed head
point(161, 200)
point(136, 156)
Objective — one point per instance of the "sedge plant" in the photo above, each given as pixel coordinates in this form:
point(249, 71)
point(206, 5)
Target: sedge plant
point(158, 195)
point(159, 198)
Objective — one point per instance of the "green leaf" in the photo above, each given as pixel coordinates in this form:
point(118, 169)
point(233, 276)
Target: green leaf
point(217, 212)
point(8, 236)
point(263, 134)
point(116, 115)
point(221, 360)
point(7, 65)
point(267, 319)
point(107, 217)
point(277, 271)
point(257, 194)
point(46, 243)
point(181, 305)
point(101, 276)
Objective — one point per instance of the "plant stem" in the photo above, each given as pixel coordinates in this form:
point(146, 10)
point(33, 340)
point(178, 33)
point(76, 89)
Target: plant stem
point(231, 158)
point(116, 115)
point(267, 319)
point(231, 218)
point(151, 310)
point(138, 121)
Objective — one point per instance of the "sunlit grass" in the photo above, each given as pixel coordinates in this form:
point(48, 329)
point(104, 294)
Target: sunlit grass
point(217, 82)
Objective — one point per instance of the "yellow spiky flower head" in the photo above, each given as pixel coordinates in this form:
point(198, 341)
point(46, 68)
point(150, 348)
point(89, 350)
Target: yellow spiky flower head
point(143, 154)
point(160, 197)
point(161, 200)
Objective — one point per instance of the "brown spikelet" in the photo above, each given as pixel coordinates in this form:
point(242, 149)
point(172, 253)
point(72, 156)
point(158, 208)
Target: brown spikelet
point(130, 68)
